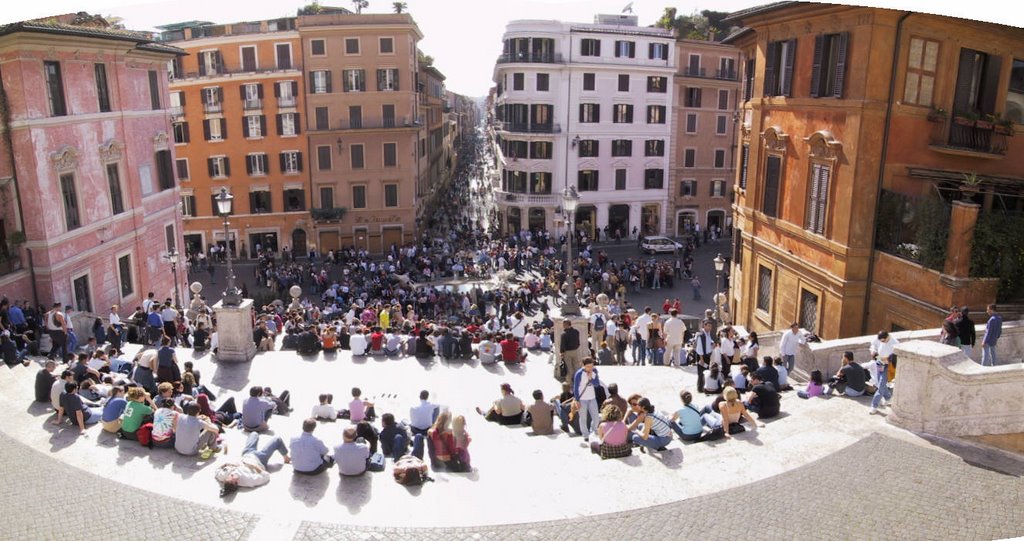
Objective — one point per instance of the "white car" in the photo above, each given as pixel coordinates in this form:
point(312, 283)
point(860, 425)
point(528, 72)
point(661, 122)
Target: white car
point(653, 245)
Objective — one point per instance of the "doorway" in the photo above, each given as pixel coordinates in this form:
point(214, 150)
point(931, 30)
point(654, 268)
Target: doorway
point(650, 219)
point(618, 219)
point(262, 242)
point(586, 217)
point(515, 220)
point(299, 246)
point(537, 219)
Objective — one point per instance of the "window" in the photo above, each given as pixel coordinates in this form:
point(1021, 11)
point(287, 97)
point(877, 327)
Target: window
point(744, 162)
point(180, 132)
point(764, 288)
point(359, 197)
point(114, 183)
point(386, 46)
point(654, 147)
point(922, 61)
point(188, 205)
point(356, 156)
point(287, 124)
point(219, 166)
point(721, 124)
point(102, 88)
point(515, 149)
point(181, 167)
point(387, 79)
point(748, 85)
point(543, 82)
point(622, 147)
point(620, 179)
point(390, 154)
point(808, 311)
point(723, 99)
point(320, 81)
point(719, 158)
point(317, 47)
point(326, 197)
point(688, 188)
point(260, 203)
point(154, 90)
point(829, 64)
point(977, 82)
point(588, 81)
point(772, 174)
point(693, 96)
point(354, 80)
point(587, 180)
point(623, 82)
point(654, 179)
point(169, 238)
point(1014, 110)
point(590, 47)
point(164, 169)
point(252, 96)
point(817, 198)
point(322, 118)
point(390, 195)
point(212, 99)
point(284, 56)
point(541, 150)
point(253, 126)
point(655, 114)
point(256, 165)
point(210, 62)
point(351, 45)
point(727, 68)
point(540, 182)
point(291, 162)
point(248, 58)
point(778, 68)
point(323, 158)
point(55, 88)
point(214, 129)
point(657, 51)
point(518, 81)
point(83, 298)
point(622, 113)
point(67, 192)
point(387, 113)
point(625, 49)
point(294, 200)
point(691, 123)
point(657, 84)
point(690, 157)
point(718, 188)
point(693, 67)
point(590, 113)
point(588, 148)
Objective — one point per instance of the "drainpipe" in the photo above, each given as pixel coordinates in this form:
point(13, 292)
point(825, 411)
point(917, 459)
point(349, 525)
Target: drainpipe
point(881, 172)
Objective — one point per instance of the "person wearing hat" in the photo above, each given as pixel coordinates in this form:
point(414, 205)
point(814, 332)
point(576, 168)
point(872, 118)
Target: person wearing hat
point(790, 341)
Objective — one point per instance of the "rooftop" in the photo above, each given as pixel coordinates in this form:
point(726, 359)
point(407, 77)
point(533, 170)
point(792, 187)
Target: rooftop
point(88, 26)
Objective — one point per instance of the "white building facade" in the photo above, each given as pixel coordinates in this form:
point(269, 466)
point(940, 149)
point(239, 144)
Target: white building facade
point(590, 106)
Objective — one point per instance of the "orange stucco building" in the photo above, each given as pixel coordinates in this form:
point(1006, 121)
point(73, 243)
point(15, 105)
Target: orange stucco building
point(238, 120)
point(858, 127)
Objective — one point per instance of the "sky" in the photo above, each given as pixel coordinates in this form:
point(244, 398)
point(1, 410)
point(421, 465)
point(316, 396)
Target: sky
point(463, 36)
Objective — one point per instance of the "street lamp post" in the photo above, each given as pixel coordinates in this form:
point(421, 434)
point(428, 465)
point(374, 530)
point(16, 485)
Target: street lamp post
point(232, 296)
point(172, 257)
point(719, 267)
point(570, 201)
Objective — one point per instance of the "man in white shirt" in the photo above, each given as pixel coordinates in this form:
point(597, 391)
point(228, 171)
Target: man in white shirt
point(358, 343)
point(487, 351)
point(675, 330)
point(882, 347)
point(422, 415)
point(704, 345)
point(791, 340)
point(641, 329)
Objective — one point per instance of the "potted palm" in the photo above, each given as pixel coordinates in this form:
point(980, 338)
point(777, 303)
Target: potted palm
point(985, 123)
point(1005, 126)
point(970, 186)
point(937, 114)
point(965, 118)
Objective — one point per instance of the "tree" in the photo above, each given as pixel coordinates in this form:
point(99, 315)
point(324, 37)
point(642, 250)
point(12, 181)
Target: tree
point(695, 25)
point(360, 5)
point(399, 7)
point(311, 9)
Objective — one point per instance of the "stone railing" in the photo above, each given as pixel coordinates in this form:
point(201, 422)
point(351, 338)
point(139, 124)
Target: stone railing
point(940, 391)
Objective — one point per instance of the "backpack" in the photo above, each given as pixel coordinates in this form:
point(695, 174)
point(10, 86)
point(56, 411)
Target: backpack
point(145, 435)
point(375, 462)
point(410, 471)
point(599, 323)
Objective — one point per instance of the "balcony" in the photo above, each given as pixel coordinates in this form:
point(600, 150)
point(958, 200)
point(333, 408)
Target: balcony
point(535, 58)
point(963, 136)
point(177, 112)
point(335, 214)
point(528, 198)
point(523, 127)
point(376, 123)
point(252, 104)
point(690, 71)
point(727, 75)
point(286, 101)
point(723, 75)
point(213, 108)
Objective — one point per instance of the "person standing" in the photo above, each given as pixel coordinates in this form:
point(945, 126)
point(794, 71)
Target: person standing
point(585, 382)
point(791, 340)
point(965, 330)
point(675, 332)
point(57, 329)
point(882, 352)
point(703, 346)
point(568, 346)
point(993, 330)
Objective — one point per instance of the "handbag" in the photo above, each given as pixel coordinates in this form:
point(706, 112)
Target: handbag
point(562, 368)
point(600, 394)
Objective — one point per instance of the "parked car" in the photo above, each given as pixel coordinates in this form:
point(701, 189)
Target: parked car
point(653, 245)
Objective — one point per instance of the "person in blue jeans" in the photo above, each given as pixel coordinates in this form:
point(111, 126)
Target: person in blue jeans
point(264, 453)
point(649, 430)
point(394, 439)
point(639, 350)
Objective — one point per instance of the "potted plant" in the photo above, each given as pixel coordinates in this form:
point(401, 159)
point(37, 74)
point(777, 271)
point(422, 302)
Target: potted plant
point(985, 123)
point(966, 118)
point(937, 114)
point(16, 238)
point(970, 186)
point(1005, 126)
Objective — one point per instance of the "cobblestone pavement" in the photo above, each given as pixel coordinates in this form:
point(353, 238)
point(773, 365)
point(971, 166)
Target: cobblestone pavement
point(879, 487)
point(46, 499)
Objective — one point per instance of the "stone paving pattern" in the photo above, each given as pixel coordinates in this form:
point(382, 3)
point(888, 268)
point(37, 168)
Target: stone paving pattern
point(47, 499)
point(902, 491)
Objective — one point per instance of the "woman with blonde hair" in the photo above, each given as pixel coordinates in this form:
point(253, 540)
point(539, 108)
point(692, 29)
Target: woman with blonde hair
point(612, 434)
point(732, 409)
point(461, 439)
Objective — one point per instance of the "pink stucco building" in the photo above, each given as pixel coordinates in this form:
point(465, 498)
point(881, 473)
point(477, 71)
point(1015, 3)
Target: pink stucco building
point(88, 195)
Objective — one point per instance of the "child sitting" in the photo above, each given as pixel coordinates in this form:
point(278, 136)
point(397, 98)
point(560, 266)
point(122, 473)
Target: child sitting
point(815, 387)
point(780, 367)
point(325, 411)
point(741, 379)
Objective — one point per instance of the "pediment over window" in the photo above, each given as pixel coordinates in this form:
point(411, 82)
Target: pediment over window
point(823, 145)
point(65, 159)
point(775, 139)
point(111, 151)
point(160, 141)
